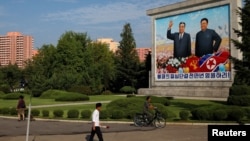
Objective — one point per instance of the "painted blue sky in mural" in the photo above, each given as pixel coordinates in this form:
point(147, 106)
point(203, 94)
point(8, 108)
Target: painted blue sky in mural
point(218, 20)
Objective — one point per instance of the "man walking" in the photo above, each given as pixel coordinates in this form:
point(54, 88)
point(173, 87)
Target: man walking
point(182, 40)
point(96, 123)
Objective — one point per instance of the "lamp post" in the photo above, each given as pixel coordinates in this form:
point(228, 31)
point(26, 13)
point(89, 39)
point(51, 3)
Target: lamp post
point(29, 112)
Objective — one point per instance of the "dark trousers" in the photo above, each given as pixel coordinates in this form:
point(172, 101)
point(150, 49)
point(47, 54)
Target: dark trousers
point(98, 132)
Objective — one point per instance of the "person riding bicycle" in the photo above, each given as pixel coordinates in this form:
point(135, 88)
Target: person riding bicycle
point(147, 107)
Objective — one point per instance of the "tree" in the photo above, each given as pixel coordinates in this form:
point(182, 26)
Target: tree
point(75, 62)
point(11, 76)
point(40, 69)
point(100, 68)
point(127, 60)
point(242, 66)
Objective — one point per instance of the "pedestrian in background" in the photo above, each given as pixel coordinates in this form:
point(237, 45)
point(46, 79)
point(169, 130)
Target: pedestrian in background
point(21, 106)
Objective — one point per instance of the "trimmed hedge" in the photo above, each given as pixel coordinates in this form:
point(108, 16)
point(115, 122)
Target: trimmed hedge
point(72, 97)
point(35, 112)
point(128, 89)
point(52, 94)
point(58, 113)
point(59, 95)
point(184, 115)
point(132, 105)
point(86, 114)
point(13, 96)
point(73, 113)
point(239, 90)
point(218, 113)
point(239, 95)
point(104, 114)
point(117, 114)
point(45, 113)
point(242, 100)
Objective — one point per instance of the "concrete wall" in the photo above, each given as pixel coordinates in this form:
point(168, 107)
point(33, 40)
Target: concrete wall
point(201, 88)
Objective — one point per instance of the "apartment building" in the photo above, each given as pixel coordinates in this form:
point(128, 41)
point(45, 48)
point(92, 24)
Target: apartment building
point(142, 52)
point(110, 42)
point(15, 48)
point(113, 46)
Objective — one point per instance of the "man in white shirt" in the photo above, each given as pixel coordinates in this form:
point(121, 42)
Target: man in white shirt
point(96, 123)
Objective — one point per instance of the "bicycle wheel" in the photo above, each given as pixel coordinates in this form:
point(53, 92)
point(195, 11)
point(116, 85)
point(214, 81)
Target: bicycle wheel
point(138, 120)
point(160, 122)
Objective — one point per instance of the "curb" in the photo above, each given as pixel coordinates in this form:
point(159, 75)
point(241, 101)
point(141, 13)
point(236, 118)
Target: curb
point(125, 122)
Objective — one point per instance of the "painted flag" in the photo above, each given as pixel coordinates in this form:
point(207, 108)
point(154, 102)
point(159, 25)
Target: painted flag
point(193, 64)
point(211, 62)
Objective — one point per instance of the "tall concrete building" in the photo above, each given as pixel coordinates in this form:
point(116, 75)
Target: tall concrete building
point(142, 52)
point(15, 48)
point(110, 42)
point(113, 46)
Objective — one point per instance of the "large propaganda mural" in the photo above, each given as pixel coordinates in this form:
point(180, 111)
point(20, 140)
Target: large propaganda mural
point(215, 66)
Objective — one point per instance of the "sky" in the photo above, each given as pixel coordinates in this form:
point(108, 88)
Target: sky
point(47, 20)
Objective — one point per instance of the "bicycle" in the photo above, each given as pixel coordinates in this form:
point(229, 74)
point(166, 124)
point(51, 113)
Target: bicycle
point(140, 119)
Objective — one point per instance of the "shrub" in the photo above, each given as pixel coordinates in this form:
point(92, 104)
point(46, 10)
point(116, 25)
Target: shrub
point(130, 95)
point(220, 114)
point(86, 114)
point(247, 113)
point(58, 113)
point(155, 99)
point(72, 97)
point(131, 114)
point(184, 114)
point(241, 100)
point(2, 94)
point(12, 96)
point(200, 114)
point(4, 111)
point(163, 100)
point(52, 94)
point(37, 92)
point(104, 114)
point(81, 89)
point(73, 113)
point(107, 92)
point(238, 90)
point(163, 110)
point(45, 113)
point(5, 88)
point(13, 111)
point(35, 112)
point(235, 114)
point(128, 104)
point(135, 105)
point(117, 114)
point(127, 89)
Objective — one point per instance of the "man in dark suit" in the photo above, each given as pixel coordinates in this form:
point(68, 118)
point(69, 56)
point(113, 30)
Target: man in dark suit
point(182, 40)
point(207, 40)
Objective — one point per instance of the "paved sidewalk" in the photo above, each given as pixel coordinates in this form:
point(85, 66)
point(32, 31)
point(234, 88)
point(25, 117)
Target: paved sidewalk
point(44, 130)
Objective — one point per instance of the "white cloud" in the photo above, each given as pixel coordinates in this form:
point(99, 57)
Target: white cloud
point(107, 19)
point(100, 13)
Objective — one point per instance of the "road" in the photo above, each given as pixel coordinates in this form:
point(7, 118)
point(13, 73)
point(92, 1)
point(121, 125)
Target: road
point(54, 130)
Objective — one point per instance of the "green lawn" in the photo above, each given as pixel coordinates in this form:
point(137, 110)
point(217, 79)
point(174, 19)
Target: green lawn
point(39, 101)
point(176, 104)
